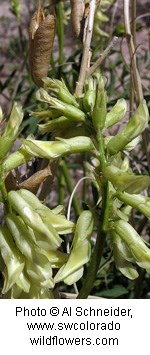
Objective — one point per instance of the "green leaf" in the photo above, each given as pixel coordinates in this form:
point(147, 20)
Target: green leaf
point(115, 292)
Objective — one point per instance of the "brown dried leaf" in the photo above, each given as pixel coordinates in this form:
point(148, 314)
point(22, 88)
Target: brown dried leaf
point(34, 181)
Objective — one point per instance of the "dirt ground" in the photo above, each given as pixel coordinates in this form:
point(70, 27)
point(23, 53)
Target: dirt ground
point(9, 33)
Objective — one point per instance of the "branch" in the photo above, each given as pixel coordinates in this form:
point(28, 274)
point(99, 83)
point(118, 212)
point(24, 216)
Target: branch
point(86, 48)
point(102, 57)
point(137, 86)
point(136, 77)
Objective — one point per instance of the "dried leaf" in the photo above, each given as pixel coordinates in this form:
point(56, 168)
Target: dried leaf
point(34, 181)
point(41, 38)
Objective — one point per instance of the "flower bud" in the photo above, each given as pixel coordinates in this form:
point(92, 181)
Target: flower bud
point(141, 203)
point(15, 159)
point(44, 114)
point(12, 129)
point(116, 114)
point(56, 124)
point(61, 90)
point(63, 108)
point(125, 181)
point(99, 110)
point(56, 149)
point(90, 95)
point(134, 128)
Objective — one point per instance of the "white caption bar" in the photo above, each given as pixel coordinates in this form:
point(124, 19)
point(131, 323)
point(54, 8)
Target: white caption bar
point(62, 326)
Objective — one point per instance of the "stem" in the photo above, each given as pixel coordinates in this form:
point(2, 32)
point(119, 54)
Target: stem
point(114, 11)
point(98, 248)
point(103, 226)
point(103, 55)
point(67, 178)
point(73, 192)
point(21, 38)
point(137, 86)
point(86, 48)
point(133, 31)
point(136, 77)
point(139, 283)
point(4, 195)
point(100, 143)
point(60, 31)
point(133, 20)
point(61, 187)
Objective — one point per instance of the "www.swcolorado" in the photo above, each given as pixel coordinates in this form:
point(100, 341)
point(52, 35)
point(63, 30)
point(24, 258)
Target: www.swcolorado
point(75, 326)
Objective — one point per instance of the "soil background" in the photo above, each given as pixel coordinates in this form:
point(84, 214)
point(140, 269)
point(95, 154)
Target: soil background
point(10, 55)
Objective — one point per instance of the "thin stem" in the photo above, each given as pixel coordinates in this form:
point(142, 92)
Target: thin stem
point(136, 77)
point(133, 21)
point(4, 195)
point(100, 143)
point(102, 57)
point(68, 181)
point(114, 11)
point(139, 283)
point(86, 48)
point(107, 262)
point(138, 92)
point(98, 249)
point(61, 187)
point(60, 31)
point(133, 31)
point(84, 187)
point(73, 192)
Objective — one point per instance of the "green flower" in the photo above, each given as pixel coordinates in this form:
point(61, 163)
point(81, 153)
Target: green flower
point(137, 248)
point(80, 253)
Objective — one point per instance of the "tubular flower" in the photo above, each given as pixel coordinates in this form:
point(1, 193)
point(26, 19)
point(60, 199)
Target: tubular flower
point(135, 244)
point(72, 271)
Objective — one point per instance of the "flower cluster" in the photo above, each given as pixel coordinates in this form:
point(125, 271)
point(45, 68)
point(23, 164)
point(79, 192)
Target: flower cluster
point(30, 244)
